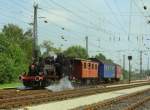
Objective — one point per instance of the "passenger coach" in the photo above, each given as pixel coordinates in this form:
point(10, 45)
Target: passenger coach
point(85, 70)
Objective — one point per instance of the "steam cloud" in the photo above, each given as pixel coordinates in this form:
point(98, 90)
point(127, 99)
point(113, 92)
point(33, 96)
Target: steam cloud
point(64, 84)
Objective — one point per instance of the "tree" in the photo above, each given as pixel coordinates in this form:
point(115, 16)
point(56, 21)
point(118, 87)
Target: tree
point(49, 47)
point(13, 32)
point(16, 35)
point(109, 60)
point(12, 61)
point(100, 57)
point(76, 52)
point(15, 52)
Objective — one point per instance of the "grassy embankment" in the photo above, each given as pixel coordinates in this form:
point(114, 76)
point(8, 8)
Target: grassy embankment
point(10, 85)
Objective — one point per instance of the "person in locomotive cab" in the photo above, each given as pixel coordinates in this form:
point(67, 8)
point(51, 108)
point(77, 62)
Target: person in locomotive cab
point(33, 70)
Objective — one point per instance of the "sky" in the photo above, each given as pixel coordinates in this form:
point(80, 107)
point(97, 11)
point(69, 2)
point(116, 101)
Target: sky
point(114, 27)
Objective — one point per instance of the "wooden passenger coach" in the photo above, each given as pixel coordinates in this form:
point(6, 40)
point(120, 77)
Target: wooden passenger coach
point(85, 69)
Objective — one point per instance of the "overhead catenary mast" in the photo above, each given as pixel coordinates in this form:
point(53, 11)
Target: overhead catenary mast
point(86, 38)
point(148, 62)
point(141, 69)
point(35, 35)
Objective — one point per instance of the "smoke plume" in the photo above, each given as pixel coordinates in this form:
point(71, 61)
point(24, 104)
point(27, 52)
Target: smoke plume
point(64, 84)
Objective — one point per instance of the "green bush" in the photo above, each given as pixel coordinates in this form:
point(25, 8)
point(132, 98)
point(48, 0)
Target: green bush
point(12, 63)
point(15, 53)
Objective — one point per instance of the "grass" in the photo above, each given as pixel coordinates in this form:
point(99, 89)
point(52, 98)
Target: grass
point(10, 85)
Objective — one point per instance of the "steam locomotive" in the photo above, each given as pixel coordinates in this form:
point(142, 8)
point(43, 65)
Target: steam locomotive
point(80, 71)
point(46, 71)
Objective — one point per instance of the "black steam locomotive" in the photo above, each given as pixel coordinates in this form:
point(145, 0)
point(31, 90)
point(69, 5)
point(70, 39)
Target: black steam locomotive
point(46, 71)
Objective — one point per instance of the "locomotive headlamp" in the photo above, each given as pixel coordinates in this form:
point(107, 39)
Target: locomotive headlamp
point(37, 78)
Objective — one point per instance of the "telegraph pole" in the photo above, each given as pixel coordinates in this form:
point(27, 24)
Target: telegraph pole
point(35, 36)
point(141, 62)
point(148, 63)
point(86, 39)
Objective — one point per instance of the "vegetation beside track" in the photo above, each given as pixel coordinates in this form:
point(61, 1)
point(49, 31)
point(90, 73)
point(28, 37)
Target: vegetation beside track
point(10, 85)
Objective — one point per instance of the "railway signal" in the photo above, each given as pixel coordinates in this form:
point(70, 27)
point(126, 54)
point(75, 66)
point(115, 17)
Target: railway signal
point(129, 58)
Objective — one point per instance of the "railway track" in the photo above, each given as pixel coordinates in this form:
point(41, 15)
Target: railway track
point(134, 101)
point(5, 93)
point(144, 106)
point(19, 99)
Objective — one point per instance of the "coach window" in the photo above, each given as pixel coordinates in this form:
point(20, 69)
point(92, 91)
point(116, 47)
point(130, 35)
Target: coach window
point(89, 65)
point(106, 68)
point(95, 66)
point(112, 68)
point(84, 65)
point(92, 66)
